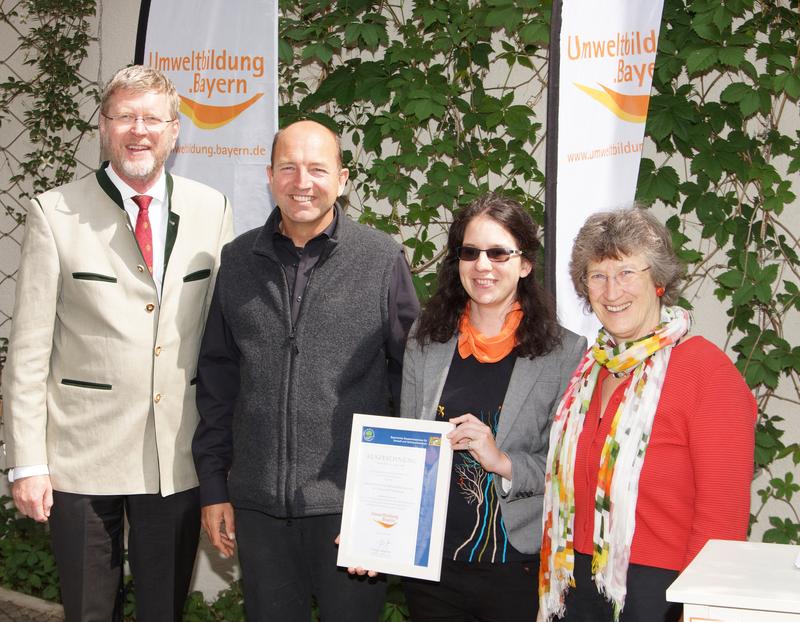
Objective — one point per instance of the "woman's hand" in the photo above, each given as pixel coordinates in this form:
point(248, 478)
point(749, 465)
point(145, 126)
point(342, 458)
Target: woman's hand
point(357, 570)
point(476, 437)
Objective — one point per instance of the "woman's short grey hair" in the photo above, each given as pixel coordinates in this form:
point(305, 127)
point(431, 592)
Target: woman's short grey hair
point(141, 79)
point(625, 232)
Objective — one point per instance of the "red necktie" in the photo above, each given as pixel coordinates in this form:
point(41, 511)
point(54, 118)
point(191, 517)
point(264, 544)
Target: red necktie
point(144, 235)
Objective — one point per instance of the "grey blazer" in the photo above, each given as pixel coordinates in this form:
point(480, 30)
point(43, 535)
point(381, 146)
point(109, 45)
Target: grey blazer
point(533, 394)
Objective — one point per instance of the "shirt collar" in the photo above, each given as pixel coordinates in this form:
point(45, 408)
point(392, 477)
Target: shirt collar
point(158, 190)
point(328, 232)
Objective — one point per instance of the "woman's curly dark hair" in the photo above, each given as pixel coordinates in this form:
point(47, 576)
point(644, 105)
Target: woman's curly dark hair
point(539, 332)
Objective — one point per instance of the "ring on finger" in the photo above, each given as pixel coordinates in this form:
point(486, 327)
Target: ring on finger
point(469, 444)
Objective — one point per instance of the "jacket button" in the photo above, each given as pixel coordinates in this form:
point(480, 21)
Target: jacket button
point(140, 268)
point(158, 350)
point(149, 308)
point(157, 398)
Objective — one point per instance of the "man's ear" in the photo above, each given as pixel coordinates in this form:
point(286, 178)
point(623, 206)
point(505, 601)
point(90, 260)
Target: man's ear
point(344, 175)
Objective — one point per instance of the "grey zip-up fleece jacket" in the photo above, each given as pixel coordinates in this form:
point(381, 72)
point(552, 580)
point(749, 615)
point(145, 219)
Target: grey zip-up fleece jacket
point(276, 400)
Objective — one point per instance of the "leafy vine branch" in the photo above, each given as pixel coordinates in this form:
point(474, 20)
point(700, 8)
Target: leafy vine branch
point(54, 36)
point(724, 75)
point(433, 98)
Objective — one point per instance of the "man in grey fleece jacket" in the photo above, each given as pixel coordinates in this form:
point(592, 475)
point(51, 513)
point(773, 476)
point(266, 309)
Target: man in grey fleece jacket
point(307, 326)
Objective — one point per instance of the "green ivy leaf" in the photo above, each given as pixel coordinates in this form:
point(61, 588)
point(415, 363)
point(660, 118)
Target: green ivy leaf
point(285, 51)
point(701, 59)
point(792, 86)
point(707, 163)
point(657, 184)
point(508, 17)
point(659, 124)
point(319, 51)
point(731, 279)
point(735, 92)
point(535, 32)
point(732, 56)
point(704, 26)
point(743, 295)
point(749, 103)
point(783, 531)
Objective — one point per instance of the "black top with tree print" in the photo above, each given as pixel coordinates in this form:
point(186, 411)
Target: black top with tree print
point(475, 531)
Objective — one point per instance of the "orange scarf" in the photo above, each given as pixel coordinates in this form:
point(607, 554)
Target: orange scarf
point(488, 349)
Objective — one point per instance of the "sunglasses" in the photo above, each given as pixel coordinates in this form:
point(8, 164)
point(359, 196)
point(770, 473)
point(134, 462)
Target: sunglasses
point(496, 253)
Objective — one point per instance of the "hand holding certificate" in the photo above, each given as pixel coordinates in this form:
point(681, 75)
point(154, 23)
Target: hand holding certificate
point(395, 502)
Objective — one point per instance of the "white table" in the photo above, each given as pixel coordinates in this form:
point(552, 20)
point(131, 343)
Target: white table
point(740, 582)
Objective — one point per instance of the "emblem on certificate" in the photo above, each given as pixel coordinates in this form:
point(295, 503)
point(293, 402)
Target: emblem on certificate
point(395, 501)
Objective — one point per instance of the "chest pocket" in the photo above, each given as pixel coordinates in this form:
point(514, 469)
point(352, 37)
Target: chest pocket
point(93, 276)
point(197, 275)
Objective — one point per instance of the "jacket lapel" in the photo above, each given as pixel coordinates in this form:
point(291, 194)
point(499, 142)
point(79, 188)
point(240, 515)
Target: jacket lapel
point(523, 380)
point(108, 187)
point(123, 242)
point(436, 368)
point(173, 218)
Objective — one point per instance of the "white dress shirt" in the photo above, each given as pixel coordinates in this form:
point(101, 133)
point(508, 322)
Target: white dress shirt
point(158, 212)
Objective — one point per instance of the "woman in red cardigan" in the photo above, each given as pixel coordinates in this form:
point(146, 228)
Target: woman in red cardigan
point(651, 450)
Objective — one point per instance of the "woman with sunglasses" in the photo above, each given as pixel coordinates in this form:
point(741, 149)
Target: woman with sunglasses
point(488, 355)
point(651, 451)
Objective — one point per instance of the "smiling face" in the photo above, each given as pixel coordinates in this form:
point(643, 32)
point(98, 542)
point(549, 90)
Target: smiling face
point(491, 285)
point(627, 313)
point(305, 178)
point(136, 153)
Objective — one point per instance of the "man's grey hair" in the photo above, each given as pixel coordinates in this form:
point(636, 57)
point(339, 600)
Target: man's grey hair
point(141, 79)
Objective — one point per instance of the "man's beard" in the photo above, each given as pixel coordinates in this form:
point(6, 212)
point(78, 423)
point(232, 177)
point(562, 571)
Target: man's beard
point(133, 169)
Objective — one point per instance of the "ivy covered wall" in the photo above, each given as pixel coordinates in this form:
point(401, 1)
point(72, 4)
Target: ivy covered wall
point(440, 100)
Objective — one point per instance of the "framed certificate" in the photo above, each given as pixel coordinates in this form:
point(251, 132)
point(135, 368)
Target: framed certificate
point(395, 500)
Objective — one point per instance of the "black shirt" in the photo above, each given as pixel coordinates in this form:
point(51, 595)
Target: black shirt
point(475, 531)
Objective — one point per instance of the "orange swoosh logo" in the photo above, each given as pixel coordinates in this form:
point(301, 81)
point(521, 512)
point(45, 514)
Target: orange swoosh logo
point(631, 108)
point(208, 117)
point(385, 525)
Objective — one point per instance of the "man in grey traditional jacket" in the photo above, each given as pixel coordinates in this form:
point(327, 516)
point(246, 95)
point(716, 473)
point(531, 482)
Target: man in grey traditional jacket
point(114, 284)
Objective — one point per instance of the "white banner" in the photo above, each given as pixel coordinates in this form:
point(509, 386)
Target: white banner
point(607, 57)
point(222, 57)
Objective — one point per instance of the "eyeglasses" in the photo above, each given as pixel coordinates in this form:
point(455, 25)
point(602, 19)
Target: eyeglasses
point(597, 281)
point(129, 120)
point(498, 254)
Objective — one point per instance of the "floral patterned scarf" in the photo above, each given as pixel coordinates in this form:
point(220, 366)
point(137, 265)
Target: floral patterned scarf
point(621, 462)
